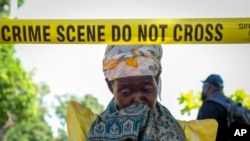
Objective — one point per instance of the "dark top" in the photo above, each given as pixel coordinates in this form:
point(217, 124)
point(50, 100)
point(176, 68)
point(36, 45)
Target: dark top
point(214, 110)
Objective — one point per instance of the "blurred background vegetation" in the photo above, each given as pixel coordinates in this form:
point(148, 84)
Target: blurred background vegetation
point(23, 109)
point(192, 101)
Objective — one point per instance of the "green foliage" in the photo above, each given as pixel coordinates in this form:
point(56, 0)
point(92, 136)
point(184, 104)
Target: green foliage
point(190, 101)
point(19, 120)
point(89, 101)
point(5, 7)
point(240, 96)
point(6, 2)
point(92, 102)
point(34, 130)
point(61, 136)
point(22, 111)
point(43, 90)
point(18, 93)
point(193, 101)
point(21, 101)
point(61, 109)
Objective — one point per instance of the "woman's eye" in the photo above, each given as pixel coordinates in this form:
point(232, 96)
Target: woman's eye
point(125, 92)
point(147, 90)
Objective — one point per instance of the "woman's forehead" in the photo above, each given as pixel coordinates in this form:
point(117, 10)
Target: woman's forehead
point(135, 80)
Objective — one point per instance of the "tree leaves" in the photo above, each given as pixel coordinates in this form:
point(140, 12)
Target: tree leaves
point(31, 130)
point(18, 93)
point(240, 96)
point(192, 101)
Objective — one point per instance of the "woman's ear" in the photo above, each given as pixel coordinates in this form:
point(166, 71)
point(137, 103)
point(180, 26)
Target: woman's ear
point(157, 77)
point(109, 85)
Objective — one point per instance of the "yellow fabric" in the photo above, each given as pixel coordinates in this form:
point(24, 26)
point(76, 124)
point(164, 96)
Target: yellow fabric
point(80, 118)
point(199, 130)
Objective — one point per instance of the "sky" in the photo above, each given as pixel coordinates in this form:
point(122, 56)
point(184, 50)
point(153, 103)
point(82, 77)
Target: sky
point(77, 69)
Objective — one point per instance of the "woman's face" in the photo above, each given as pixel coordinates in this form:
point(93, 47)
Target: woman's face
point(136, 89)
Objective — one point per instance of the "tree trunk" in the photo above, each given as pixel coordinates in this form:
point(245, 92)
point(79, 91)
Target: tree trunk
point(7, 124)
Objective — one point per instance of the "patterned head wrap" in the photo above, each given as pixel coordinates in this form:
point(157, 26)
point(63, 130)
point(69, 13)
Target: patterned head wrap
point(132, 60)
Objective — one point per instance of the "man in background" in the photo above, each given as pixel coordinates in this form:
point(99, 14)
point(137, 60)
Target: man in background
point(213, 89)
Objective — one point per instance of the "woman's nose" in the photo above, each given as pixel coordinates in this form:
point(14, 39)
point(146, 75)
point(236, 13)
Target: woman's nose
point(140, 98)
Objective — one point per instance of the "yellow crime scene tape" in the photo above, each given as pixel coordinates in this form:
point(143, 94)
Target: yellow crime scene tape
point(126, 31)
